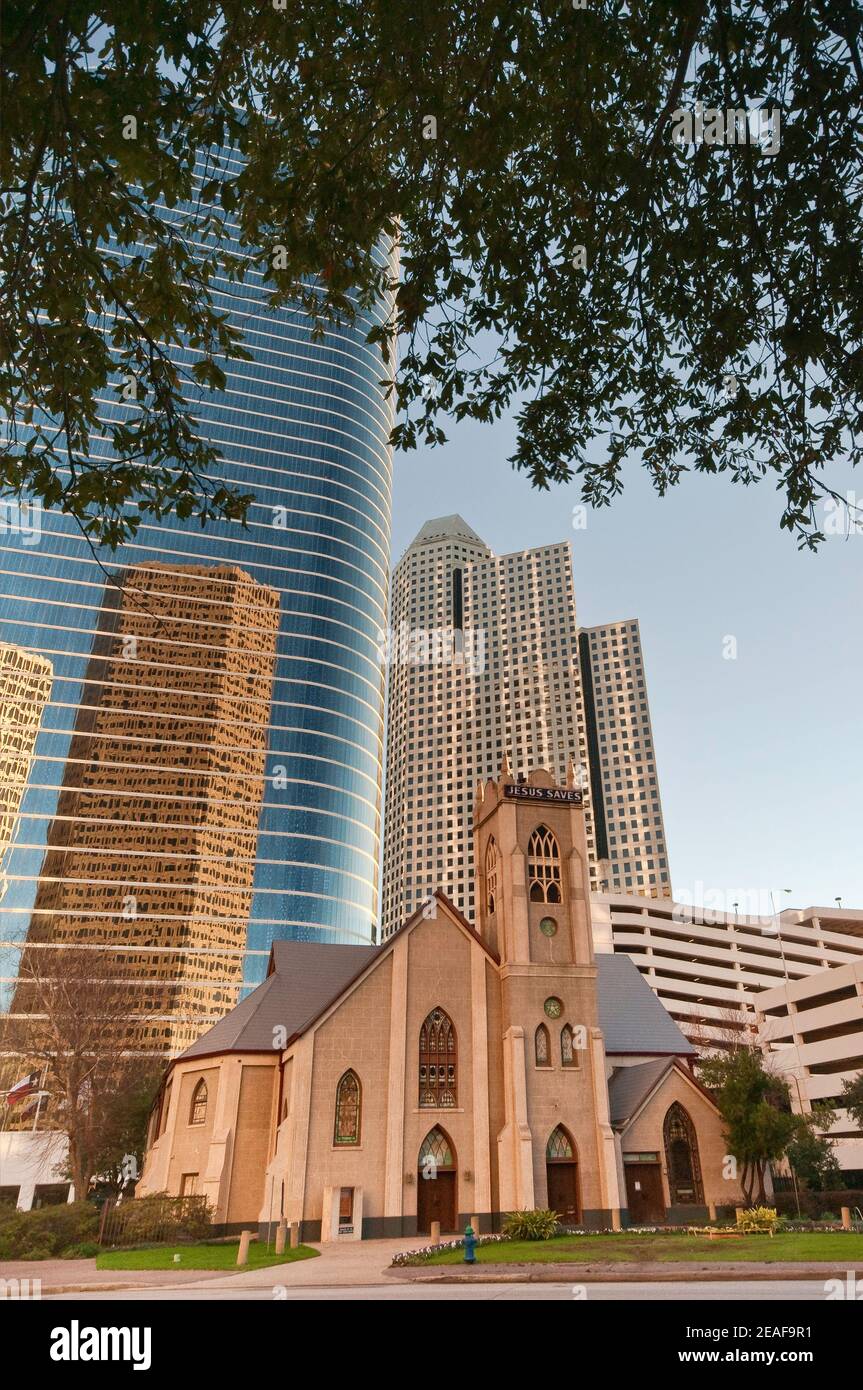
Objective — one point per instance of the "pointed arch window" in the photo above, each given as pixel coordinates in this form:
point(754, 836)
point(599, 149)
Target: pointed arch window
point(348, 1110)
point(541, 1046)
point(198, 1107)
point(681, 1157)
point(559, 1146)
point(438, 1062)
point(543, 866)
point(568, 1054)
point(436, 1151)
point(491, 875)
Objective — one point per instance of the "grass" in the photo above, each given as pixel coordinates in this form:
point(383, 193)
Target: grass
point(220, 1256)
point(665, 1248)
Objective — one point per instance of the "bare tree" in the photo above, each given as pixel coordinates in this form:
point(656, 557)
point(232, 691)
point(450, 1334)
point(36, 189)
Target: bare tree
point(71, 1019)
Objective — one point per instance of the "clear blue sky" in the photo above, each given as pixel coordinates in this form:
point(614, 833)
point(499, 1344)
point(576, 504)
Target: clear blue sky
point(760, 758)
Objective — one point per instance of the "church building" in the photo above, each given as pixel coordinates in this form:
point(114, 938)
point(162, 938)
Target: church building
point(450, 1073)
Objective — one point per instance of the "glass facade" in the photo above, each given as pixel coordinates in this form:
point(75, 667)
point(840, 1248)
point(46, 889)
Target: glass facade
point(205, 773)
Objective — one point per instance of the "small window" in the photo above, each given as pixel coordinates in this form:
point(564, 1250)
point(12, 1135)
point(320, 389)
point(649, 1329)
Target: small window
point(491, 875)
point(541, 1046)
point(568, 1054)
point(198, 1108)
point(543, 866)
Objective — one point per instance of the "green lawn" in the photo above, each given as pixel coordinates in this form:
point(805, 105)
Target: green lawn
point(222, 1256)
point(665, 1248)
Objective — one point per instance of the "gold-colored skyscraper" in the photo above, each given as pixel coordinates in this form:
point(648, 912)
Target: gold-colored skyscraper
point(25, 688)
point(152, 849)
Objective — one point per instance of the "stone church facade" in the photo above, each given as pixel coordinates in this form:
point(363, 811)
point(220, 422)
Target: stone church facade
point(450, 1073)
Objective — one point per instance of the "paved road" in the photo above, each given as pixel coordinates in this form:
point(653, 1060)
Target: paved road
point(792, 1291)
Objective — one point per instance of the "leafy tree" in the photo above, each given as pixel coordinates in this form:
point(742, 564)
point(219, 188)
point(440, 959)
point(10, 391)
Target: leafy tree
point(811, 1154)
point(852, 1094)
point(758, 1124)
point(564, 250)
point(127, 1108)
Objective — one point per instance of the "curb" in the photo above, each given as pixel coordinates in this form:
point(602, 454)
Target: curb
point(487, 1273)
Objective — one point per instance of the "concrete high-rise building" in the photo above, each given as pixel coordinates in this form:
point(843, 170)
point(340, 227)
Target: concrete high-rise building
point(304, 427)
point(154, 843)
point(627, 809)
point(483, 667)
point(25, 687)
point(711, 968)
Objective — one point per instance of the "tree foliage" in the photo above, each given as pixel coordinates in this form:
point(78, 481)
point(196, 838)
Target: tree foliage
point(758, 1124)
point(852, 1095)
point(633, 298)
point(811, 1154)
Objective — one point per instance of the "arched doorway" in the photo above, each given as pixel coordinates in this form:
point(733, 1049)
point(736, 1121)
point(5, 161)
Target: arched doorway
point(681, 1158)
point(436, 1182)
point(561, 1171)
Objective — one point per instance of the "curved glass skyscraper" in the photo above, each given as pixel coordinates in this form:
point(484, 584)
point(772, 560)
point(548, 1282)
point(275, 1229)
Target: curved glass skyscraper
point(205, 774)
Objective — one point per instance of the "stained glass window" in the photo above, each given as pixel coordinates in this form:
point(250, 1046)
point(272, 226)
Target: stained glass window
point(436, 1150)
point(541, 1048)
point(438, 1061)
point(198, 1108)
point(559, 1145)
point(543, 866)
point(347, 1130)
point(568, 1056)
point(681, 1157)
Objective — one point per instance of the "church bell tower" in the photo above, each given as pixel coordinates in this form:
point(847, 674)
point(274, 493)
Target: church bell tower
point(556, 1148)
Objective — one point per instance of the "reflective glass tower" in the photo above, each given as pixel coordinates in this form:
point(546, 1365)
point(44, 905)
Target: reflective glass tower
point(206, 773)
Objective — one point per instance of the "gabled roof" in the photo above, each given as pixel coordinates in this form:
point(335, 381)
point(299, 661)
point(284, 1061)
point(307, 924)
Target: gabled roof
point(442, 528)
point(303, 979)
point(630, 1087)
point(631, 1016)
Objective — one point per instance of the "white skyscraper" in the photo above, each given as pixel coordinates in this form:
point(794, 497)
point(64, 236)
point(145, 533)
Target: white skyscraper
point(622, 759)
point(483, 665)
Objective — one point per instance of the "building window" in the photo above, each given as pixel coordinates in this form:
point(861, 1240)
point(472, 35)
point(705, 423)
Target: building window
point(348, 1110)
point(543, 866)
point(559, 1146)
point(189, 1186)
point(198, 1108)
point(491, 875)
point(681, 1157)
point(541, 1046)
point(436, 1152)
point(438, 1061)
point(568, 1055)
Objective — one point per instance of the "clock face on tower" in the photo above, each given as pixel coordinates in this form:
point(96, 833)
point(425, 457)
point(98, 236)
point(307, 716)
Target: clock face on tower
point(553, 1007)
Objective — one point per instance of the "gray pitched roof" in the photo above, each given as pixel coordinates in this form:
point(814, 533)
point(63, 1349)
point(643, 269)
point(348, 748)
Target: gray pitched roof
point(306, 976)
point(629, 1086)
point(630, 1015)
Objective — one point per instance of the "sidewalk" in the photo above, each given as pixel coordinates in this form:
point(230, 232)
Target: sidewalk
point(79, 1276)
point(616, 1272)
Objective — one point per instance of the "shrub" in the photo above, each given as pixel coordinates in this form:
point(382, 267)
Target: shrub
point(531, 1225)
point(39, 1235)
point(84, 1250)
point(759, 1220)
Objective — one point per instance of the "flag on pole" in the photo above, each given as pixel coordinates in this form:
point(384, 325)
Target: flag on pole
point(23, 1088)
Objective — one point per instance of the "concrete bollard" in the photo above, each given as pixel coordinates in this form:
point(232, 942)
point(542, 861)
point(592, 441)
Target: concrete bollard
point(295, 1234)
point(435, 1233)
point(711, 1211)
point(243, 1252)
point(846, 1218)
point(281, 1237)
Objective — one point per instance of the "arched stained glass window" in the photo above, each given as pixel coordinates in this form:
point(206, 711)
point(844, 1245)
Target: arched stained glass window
point(681, 1157)
point(198, 1107)
point(543, 866)
point(568, 1054)
point(348, 1110)
point(438, 1062)
point(491, 875)
point(436, 1151)
point(541, 1046)
point(559, 1146)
